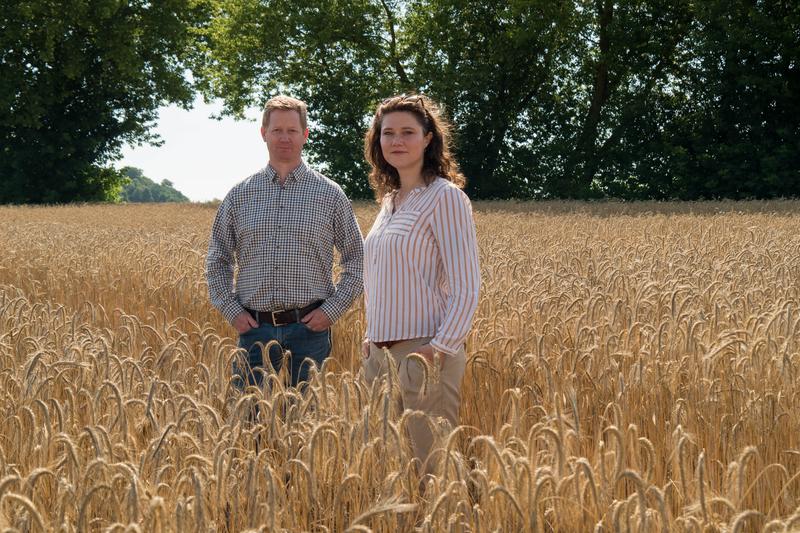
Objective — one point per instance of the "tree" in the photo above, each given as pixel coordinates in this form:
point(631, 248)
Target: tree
point(720, 119)
point(79, 79)
point(495, 65)
point(344, 56)
point(333, 54)
point(738, 133)
point(140, 188)
point(627, 55)
point(550, 98)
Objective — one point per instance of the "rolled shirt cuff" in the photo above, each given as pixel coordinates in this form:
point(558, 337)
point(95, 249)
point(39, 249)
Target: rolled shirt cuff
point(445, 349)
point(231, 310)
point(331, 310)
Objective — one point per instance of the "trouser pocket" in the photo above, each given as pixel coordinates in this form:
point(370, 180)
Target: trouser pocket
point(374, 364)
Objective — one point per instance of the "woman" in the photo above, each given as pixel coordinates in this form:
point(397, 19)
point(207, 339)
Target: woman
point(421, 275)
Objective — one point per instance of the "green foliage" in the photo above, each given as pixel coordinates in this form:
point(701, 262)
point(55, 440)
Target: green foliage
point(140, 188)
point(329, 53)
point(493, 65)
point(741, 130)
point(77, 80)
point(551, 98)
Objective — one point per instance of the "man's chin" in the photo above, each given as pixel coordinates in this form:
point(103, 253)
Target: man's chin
point(284, 157)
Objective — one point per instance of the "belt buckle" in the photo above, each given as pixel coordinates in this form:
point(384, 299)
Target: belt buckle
point(275, 320)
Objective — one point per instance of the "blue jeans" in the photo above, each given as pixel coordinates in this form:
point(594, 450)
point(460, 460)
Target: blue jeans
point(296, 338)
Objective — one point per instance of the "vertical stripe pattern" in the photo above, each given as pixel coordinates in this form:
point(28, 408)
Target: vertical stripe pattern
point(421, 272)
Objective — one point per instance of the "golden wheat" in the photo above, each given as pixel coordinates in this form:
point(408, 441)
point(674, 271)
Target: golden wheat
point(631, 368)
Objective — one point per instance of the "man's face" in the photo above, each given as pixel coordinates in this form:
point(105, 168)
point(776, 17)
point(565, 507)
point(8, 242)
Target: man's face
point(284, 136)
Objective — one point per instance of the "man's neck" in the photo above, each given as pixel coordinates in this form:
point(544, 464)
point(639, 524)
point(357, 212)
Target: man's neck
point(283, 169)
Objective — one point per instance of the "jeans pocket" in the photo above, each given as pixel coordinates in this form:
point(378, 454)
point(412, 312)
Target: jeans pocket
point(244, 337)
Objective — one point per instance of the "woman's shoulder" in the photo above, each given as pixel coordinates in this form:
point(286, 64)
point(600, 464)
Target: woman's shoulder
point(446, 189)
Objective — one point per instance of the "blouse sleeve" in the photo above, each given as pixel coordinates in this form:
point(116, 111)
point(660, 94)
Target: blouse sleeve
point(454, 230)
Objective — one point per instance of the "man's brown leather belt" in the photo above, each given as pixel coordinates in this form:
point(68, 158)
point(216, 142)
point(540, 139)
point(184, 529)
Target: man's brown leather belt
point(285, 317)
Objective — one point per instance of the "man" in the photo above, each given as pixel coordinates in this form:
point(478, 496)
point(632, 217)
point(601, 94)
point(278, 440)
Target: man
point(280, 226)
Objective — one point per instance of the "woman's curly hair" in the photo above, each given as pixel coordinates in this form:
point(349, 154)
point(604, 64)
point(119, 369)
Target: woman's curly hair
point(438, 160)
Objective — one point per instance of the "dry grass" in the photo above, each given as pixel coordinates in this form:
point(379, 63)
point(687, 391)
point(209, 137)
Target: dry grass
point(631, 368)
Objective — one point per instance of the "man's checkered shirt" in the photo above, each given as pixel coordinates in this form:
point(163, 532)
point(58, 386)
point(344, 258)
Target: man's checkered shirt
point(281, 238)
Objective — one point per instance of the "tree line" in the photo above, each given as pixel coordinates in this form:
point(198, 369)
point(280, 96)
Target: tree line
point(632, 99)
point(140, 188)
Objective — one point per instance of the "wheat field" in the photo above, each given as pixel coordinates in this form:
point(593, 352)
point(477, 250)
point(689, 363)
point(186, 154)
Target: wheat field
point(631, 368)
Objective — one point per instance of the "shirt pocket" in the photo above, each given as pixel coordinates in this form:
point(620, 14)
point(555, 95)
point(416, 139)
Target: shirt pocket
point(401, 224)
point(253, 231)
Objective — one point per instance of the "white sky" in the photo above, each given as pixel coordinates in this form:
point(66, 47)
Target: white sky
point(201, 156)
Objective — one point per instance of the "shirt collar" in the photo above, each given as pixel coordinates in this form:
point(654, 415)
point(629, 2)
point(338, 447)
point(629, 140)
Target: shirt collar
point(416, 190)
point(389, 198)
point(297, 174)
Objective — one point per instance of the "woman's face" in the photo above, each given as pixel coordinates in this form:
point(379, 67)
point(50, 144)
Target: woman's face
point(403, 141)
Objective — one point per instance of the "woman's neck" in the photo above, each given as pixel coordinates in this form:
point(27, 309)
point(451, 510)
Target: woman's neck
point(410, 179)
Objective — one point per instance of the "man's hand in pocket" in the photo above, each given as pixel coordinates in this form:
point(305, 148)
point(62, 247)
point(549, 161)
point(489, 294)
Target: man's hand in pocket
point(244, 322)
point(316, 320)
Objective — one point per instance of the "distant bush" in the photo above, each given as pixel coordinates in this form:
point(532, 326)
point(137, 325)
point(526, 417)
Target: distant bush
point(140, 188)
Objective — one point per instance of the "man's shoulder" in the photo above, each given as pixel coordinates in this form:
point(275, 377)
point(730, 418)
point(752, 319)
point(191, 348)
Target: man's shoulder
point(243, 187)
point(326, 184)
point(255, 179)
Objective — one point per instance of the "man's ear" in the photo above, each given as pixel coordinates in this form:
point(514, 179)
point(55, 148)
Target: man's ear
point(305, 135)
point(263, 133)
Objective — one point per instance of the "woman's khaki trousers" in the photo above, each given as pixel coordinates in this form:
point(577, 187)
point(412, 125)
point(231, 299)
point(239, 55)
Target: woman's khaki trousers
point(441, 399)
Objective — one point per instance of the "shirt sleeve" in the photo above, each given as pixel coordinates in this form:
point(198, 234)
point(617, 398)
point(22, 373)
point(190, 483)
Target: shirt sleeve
point(454, 230)
point(348, 240)
point(220, 261)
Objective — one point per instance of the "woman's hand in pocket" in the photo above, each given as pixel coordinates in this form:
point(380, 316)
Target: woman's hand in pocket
point(365, 349)
point(426, 351)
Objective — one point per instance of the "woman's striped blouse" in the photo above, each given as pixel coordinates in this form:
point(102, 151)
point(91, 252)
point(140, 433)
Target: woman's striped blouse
point(421, 274)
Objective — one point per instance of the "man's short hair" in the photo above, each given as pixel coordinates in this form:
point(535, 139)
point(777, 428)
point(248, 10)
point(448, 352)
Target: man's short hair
point(285, 103)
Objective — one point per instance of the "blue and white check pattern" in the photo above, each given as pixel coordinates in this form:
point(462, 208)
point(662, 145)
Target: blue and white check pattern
point(281, 238)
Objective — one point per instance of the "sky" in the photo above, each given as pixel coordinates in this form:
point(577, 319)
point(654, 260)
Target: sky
point(201, 156)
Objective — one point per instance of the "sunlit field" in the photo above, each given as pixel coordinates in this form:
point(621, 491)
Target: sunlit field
point(631, 368)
